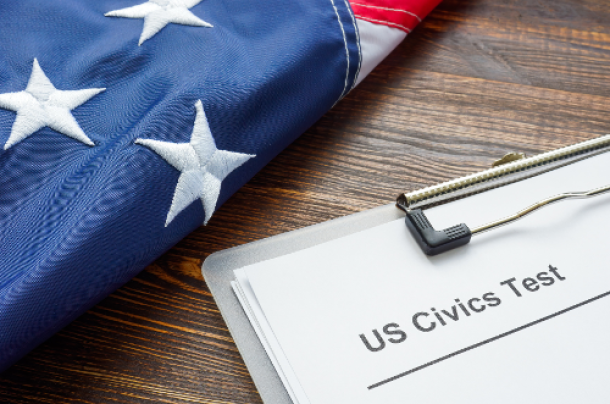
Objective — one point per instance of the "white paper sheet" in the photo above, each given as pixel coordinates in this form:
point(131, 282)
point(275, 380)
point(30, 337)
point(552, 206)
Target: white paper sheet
point(547, 345)
point(248, 300)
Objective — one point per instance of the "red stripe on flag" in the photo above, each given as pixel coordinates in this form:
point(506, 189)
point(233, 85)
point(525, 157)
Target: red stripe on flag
point(401, 14)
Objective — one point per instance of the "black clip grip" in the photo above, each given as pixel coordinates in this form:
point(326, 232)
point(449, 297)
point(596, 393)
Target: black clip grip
point(433, 241)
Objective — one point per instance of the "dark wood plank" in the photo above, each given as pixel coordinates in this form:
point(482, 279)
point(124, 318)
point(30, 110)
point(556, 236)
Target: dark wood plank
point(475, 80)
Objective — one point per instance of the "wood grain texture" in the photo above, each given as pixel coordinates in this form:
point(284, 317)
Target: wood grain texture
point(476, 79)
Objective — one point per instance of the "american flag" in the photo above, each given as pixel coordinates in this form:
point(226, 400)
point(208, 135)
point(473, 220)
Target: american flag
point(124, 124)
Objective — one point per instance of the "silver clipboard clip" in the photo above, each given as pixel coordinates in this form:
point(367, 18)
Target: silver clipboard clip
point(511, 168)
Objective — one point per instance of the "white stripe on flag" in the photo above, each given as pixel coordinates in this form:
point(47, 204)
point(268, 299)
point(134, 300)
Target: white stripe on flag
point(376, 42)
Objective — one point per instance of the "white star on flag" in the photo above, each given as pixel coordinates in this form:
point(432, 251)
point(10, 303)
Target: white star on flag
point(158, 13)
point(202, 166)
point(41, 104)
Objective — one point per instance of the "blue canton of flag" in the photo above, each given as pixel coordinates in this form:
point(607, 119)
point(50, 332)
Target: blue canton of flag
point(125, 123)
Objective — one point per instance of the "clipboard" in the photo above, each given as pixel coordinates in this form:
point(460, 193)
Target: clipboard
point(218, 268)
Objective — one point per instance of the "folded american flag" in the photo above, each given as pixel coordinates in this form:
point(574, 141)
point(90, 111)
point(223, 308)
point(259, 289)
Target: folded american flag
point(124, 124)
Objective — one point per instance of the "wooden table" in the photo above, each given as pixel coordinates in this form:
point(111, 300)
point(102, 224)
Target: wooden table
point(475, 80)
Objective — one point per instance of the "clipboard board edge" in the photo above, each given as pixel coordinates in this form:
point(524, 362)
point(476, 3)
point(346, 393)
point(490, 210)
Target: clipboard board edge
point(217, 271)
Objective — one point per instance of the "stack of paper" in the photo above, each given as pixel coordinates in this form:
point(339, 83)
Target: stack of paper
point(518, 316)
